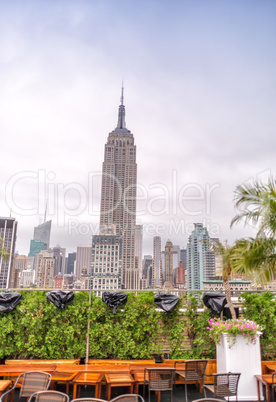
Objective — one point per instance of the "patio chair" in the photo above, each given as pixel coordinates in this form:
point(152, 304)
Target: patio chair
point(31, 382)
point(88, 400)
point(225, 385)
point(128, 398)
point(194, 371)
point(158, 380)
point(208, 400)
point(49, 396)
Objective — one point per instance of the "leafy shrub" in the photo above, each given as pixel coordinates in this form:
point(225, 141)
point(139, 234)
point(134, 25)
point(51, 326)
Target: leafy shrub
point(261, 308)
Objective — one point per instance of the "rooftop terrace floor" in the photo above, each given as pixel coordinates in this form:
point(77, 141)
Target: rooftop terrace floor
point(178, 395)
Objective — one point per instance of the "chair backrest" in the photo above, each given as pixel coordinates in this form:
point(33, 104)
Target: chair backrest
point(160, 379)
point(88, 400)
point(208, 400)
point(226, 384)
point(49, 396)
point(128, 398)
point(33, 381)
point(195, 369)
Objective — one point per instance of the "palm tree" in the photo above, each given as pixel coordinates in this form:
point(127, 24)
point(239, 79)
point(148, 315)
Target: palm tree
point(225, 264)
point(257, 204)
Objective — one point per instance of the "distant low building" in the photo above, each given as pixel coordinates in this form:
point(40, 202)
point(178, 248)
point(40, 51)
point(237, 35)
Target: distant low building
point(58, 281)
point(27, 278)
point(217, 285)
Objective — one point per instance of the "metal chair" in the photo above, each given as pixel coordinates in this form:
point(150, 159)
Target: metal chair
point(88, 400)
point(49, 396)
point(31, 382)
point(225, 385)
point(158, 380)
point(208, 400)
point(128, 398)
point(194, 371)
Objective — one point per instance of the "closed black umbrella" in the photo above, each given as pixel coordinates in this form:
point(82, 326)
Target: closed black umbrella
point(60, 298)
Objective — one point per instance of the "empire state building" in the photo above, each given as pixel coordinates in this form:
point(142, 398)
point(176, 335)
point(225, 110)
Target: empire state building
point(118, 195)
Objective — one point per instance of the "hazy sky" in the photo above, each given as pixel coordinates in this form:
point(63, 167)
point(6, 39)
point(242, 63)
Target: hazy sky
point(199, 80)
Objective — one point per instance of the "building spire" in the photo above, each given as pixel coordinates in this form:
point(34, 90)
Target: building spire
point(122, 113)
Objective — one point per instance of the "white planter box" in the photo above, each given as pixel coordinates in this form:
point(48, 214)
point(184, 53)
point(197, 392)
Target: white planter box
point(241, 358)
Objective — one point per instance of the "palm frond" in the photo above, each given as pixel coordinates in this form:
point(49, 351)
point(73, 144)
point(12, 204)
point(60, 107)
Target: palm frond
point(255, 256)
point(256, 203)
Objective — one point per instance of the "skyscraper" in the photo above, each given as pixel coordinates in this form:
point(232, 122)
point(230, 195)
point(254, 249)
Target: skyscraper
point(118, 195)
point(139, 248)
point(168, 263)
point(157, 262)
point(41, 238)
point(8, 228)
point(198, 245)
point(43, 232)
point(71, 263)
point(83, 259)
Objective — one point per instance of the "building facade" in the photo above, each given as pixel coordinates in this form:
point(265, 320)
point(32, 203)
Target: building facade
point(8, 230)
point(70, 266)
point(139, 248)
point(157, 263)
point(43, 233)
point(198, 244)
point(106, 263)
point(45, 269)
point(19, 264)
point(168, 264)
point(83, 259)
point(118, 195)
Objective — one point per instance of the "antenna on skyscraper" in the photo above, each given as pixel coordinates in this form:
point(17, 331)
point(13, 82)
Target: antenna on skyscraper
point(10, 212)
point(122, 96)
point(45, 211)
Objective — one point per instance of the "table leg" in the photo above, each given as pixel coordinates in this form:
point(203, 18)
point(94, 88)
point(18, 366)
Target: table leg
point(258, 389)
point(74, 391)
point(108, 391)
point(267, 393)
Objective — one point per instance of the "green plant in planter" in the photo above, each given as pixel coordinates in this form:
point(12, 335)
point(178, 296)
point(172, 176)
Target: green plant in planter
point(248, 329)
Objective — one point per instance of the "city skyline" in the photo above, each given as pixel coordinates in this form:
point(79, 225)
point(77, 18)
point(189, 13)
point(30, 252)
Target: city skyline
point(199, 93)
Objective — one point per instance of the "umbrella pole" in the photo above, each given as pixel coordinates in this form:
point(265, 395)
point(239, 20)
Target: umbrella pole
point(88, 329)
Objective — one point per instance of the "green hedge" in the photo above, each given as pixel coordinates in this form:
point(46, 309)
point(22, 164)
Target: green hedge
point(261, 308)
point(37, 329)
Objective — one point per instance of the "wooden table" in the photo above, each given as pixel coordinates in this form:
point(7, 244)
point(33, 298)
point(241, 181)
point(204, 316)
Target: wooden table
point(118, 380)
point(266, 380)
point(16, 370)
point(101, 368)
point(63, 378)
point(87, 378)
point(4, 386)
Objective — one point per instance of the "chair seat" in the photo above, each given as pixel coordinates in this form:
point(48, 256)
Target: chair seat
point(223, 390)
point(190, 376)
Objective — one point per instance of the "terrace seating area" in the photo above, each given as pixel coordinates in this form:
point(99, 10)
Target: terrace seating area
point(108, 379)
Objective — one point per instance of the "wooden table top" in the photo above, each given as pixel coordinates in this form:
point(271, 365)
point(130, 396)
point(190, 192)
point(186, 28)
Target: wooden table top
point(88, 377)
point(16, 370)
point(37, 361)
point(101, 368)
point(119, 378)
point(265, 378)
point(63, 376)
